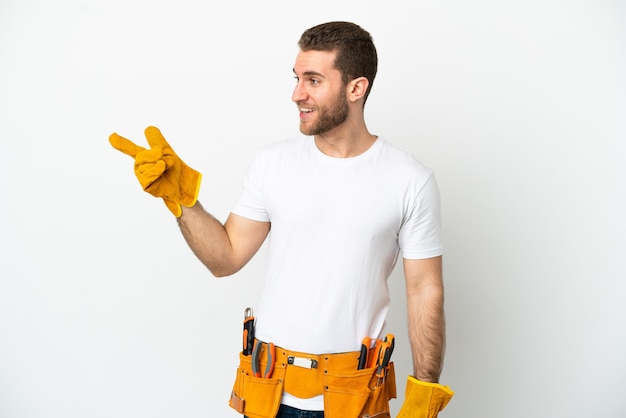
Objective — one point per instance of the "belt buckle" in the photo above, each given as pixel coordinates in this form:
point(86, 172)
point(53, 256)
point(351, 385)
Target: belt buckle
point(303, 362)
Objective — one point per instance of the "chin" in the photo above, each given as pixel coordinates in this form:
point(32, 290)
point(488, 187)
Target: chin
point(306, 130)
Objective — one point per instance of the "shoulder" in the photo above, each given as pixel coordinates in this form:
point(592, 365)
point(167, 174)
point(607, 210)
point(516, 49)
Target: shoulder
point(402, 160)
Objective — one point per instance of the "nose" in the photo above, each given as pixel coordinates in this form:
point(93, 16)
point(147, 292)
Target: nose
point(299, 93)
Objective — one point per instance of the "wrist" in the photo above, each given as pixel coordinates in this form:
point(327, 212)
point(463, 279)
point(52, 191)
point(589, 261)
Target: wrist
point(423, 384)
point(187, 209)
point(426, 377)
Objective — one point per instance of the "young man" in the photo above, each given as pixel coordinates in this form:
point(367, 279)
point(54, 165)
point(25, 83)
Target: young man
point(339, 204)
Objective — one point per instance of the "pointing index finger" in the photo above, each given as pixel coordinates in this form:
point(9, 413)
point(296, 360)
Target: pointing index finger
point(125, 145)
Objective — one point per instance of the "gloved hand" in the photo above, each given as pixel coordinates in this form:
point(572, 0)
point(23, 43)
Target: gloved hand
point(160, 171)
point(424, 399)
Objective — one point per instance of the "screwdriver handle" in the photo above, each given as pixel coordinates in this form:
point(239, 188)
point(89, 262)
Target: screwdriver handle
point(248, 332)
point(365, 349)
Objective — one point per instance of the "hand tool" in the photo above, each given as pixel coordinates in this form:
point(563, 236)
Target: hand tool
point(385, 355)
point(271, 360)
point(270, 349)
point(372, 361)
point(365, 348)
point(248, 331)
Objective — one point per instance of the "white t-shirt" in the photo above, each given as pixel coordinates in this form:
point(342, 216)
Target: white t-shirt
point(337, 227)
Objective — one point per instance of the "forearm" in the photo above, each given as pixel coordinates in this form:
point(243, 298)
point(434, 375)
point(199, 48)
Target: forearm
point(425, 303)
point(427, 335)
point(223, 249)
point(208, 239)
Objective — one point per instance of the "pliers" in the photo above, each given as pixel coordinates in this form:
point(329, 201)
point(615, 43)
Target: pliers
point(380, 354)
point(384, 354)
point(369, 359)
point(270, 350)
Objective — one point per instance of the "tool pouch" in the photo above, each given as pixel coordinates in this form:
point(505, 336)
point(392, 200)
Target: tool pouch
point(377, 405)
point(256, 397)
point(359, 393)
point(348, 392)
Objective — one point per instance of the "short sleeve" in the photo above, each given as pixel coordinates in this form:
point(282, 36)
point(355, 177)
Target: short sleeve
point(420, 234)
point(250, 203)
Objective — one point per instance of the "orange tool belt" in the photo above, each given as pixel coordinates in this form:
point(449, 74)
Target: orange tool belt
point(348, 392)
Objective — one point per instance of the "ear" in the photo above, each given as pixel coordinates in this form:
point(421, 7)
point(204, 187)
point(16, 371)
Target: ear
point(357, 88)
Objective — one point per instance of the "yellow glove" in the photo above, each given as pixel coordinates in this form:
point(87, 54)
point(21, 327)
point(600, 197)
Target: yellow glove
point(160, 171)
point(424, 399)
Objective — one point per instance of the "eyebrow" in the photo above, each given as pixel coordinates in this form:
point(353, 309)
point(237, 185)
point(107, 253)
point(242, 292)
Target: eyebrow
point(309, 73)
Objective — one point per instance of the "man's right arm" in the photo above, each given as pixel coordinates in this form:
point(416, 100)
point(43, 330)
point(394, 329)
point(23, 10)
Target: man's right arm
point(223, 249)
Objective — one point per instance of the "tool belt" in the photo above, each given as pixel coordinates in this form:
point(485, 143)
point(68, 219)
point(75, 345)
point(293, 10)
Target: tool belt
point(349, 392)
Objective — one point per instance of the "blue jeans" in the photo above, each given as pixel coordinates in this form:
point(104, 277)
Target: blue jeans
point(288, 412)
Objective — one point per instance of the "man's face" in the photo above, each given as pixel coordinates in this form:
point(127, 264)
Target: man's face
point(320, 93)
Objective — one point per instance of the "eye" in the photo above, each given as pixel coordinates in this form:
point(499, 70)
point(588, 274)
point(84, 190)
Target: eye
point(309, 80)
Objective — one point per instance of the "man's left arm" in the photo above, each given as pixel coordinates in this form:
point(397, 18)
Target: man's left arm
point(426, 320)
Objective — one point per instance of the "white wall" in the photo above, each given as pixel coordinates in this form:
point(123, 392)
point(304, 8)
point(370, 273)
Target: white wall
point(518, 106)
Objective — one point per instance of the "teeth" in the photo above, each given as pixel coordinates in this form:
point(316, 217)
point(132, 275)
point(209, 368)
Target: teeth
point(306, 110)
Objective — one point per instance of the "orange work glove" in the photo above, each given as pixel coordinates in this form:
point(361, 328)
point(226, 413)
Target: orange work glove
point(424, 399)
point(160, 171)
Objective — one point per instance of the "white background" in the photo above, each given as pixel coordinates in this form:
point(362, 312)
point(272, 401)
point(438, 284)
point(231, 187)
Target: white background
point(518, 106)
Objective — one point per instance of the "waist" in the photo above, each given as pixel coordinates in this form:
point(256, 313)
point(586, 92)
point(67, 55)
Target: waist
point(330, 361)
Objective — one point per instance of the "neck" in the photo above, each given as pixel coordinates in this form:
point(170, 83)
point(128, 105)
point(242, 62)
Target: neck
point(345, 141)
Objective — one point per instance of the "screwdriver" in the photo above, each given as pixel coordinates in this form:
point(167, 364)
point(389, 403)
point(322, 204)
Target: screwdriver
point(248, 331)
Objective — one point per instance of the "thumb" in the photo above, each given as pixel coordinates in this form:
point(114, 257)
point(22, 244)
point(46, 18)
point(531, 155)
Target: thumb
point(125, 145)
